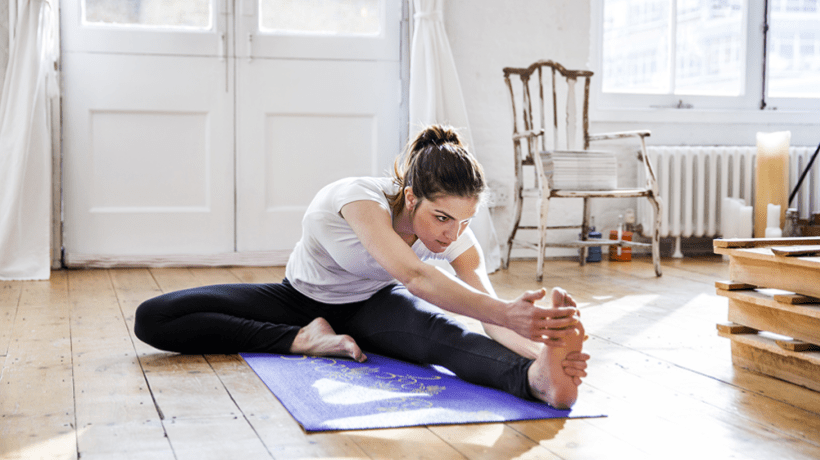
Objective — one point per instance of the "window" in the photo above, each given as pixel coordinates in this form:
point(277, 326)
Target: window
point(794, 62)
point(149, 13)
point(708, 54)
point(356, 17)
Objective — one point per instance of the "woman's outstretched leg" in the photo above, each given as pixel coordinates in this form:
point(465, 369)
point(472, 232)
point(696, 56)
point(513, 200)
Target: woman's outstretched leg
point(395, 323)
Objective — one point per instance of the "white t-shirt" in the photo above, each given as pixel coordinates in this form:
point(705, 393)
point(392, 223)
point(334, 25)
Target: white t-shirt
point(329, 264)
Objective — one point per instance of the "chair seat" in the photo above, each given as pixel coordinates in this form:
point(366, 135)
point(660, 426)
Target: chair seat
point(615, 193)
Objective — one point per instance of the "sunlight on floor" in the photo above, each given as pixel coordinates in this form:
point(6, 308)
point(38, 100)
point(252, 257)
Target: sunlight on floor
point(603, 317)
point(482, 435)
point(60, 447)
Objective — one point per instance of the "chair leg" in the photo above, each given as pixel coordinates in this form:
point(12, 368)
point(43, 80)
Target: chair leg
point(657, 205)
point(517, 206)
point(542, 238)
point(584, 252)
point(505, 254)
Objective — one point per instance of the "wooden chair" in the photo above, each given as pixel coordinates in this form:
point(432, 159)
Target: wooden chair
point(530, 118)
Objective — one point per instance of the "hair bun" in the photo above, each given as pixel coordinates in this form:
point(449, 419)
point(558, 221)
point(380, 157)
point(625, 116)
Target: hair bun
point(438, 135)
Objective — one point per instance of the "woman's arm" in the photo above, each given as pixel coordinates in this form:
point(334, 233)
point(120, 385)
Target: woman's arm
point(373, 226)
point(471, 269)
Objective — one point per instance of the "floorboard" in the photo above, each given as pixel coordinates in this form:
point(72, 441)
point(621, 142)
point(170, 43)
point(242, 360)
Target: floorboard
point(76, 384)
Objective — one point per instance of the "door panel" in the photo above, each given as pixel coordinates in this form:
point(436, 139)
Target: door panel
point(294, 142)
point(318, 99)
point(148, 168)
point(166, 157)
point(134, 171)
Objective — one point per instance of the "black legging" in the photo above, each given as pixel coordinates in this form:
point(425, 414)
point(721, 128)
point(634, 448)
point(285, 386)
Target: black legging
point(265, 318)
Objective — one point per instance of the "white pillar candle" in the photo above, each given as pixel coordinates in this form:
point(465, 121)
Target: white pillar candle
point(745, 222)
point(771, 177)
point(773, 216)
point(730, 217)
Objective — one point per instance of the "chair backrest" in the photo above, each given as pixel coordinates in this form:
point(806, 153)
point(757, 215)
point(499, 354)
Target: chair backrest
point(531, 117)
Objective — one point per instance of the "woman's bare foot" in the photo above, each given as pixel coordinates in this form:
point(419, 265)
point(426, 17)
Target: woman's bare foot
point(319, 339)
point(548, 378)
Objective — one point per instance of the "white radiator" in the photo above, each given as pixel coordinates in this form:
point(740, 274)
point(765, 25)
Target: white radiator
point(693, 180)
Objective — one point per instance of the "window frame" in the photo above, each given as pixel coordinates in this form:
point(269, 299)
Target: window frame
point(748, 107)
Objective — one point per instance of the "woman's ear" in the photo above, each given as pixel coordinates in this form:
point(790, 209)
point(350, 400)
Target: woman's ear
point(409, 199)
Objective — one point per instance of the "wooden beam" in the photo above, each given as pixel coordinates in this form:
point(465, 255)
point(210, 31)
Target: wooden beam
point(796, 275)
point(795, 299)
point(733, 285)
point(732, 328)
point(763, 242)
point(763, 355)
point(760, 311)
point(796, 345)
point(275, 426)
point(36, 390)
point(9, 299)
point(796, 251)
point(115, 411)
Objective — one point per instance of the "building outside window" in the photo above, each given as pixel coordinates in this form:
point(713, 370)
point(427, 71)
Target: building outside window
point(709, 54)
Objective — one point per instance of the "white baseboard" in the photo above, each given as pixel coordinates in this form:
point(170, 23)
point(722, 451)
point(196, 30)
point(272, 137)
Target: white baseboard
point(248, 259)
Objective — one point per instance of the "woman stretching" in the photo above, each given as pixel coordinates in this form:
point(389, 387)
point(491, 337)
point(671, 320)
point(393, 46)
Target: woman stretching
point(356, 280)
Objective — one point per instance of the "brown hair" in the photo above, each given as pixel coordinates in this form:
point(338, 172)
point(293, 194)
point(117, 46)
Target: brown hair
point(436, 163)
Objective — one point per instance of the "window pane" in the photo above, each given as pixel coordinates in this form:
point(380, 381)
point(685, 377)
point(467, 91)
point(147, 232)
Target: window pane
point(636, 46)
point(173, 13)
point(320, 16)
point(794, 51)
point(710, 44)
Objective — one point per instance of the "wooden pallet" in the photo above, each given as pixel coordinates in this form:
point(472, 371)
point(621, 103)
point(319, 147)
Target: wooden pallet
point(760, 310)
point(773, 292)
point(755, 351)
point(751, 261)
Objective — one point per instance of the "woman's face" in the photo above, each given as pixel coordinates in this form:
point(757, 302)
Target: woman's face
point(438, 223)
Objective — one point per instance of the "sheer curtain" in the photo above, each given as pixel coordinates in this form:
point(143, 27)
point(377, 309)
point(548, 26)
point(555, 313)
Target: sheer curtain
point(435, 97)
point(25, 143)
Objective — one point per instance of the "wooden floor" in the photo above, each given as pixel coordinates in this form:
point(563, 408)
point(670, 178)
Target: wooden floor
point(75, 383)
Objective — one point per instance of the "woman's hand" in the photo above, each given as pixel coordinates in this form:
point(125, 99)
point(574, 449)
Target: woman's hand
point(550, 326)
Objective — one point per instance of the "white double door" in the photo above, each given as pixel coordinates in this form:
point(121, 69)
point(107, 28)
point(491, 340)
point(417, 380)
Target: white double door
point(200, 142)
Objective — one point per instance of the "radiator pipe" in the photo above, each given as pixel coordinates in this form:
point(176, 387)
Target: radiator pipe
point(803, 176)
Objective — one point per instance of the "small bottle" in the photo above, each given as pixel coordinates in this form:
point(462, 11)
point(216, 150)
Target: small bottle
point(618, 253)
point(593, 252)
point(791, 227)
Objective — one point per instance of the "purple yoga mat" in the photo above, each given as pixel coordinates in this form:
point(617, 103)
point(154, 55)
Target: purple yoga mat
point(327, 394)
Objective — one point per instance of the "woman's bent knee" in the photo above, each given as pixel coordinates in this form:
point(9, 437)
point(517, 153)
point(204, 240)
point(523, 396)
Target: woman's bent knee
point(148, 322)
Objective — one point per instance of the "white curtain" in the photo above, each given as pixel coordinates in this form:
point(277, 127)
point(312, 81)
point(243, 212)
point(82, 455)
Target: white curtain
point(25, 144)
point(435, 97)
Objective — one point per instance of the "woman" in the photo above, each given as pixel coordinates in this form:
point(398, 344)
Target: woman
point(356, 280)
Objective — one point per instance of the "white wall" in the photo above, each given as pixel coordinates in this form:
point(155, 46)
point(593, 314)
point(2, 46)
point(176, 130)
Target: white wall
point(488, 35)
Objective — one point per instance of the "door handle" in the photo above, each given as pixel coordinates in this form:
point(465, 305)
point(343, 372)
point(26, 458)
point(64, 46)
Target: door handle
point(222, 46)
point(250, 47)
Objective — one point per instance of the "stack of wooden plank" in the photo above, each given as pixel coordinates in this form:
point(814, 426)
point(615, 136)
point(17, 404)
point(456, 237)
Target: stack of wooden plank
point(774, 306)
